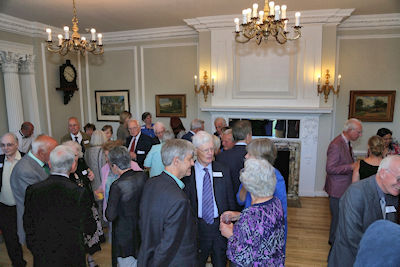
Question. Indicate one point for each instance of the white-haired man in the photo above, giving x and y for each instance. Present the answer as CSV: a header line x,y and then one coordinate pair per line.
x,y
363,203
138,144
159,130
209,188
195,126
57,213
339,168
75,134
31,169
8,210
219,124
167,223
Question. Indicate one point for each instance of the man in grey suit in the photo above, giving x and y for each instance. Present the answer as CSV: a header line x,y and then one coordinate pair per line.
x,y
363,203
339,168
31,169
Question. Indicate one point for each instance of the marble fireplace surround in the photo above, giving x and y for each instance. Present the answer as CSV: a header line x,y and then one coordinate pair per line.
x,y
303,150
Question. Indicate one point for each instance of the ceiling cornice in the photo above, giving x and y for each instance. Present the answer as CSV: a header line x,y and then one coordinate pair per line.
x,y
386,21
307,17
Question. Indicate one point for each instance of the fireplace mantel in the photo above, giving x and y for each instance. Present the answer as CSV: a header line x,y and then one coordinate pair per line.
x,y
289,110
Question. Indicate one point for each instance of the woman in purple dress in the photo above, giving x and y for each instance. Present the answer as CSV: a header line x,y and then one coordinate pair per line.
x,y
258,237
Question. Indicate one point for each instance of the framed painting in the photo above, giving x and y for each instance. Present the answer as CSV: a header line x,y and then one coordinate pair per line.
x,y
109,104
372,105
171,105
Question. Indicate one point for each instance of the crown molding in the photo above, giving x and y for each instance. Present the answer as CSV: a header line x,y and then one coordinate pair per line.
x,y
17,48
24,27
381,21
307,17
150,34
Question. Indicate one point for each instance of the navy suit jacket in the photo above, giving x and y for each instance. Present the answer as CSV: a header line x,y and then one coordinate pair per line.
x,y
234,159
143,144
222,186
188,136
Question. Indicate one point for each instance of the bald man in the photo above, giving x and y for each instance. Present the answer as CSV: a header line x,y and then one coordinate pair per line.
x,y
75,134
31,169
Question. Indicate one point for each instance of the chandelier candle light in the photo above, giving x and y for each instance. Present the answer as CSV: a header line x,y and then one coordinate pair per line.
x,y
75,42
272,21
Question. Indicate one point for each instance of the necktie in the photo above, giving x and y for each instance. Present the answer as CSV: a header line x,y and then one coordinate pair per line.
x,y
208,203
133,145
46,168
76,139
382,201
351,151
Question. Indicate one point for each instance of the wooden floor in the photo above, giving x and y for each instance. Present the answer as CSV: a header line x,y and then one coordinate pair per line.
x,y
307,243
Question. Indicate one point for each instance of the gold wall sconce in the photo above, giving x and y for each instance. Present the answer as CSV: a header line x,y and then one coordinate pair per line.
x,y
326,88
205,87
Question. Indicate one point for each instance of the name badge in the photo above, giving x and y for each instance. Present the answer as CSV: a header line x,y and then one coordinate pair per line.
x,y
1,165
86,142
140,152
218,174
390,209
84,172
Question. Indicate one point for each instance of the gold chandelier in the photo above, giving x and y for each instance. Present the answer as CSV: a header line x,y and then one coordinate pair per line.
x,y
75,42
272,21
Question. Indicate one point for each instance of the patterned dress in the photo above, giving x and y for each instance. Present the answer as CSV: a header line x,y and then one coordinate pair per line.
x,y
259,236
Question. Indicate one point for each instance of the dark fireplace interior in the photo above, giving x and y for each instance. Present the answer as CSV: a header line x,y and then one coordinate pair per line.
x,y
282,164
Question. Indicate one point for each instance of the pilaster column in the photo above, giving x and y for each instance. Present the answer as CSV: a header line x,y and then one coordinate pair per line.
x,y
9,66
29,92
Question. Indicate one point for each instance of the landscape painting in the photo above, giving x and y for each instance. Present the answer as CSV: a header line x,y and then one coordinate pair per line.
x,y
171,105
109,104
372,105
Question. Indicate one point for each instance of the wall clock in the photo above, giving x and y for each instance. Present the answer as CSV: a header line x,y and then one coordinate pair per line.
x,y
68,77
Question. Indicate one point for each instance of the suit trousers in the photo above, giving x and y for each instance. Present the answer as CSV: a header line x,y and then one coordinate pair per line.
x,y
334,207
8,226
211,242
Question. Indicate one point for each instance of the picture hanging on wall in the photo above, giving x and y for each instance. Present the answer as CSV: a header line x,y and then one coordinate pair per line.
x,y
109,104
372,105
171,105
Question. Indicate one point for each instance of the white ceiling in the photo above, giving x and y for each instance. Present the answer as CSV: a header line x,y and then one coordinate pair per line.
x,y
120,15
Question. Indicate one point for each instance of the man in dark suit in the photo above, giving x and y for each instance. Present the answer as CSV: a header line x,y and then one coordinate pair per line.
x,y
57,213
209,188
234,158
8,210
167,223
31,169
363,203
75,134
123,206
138,144
195,126
339,168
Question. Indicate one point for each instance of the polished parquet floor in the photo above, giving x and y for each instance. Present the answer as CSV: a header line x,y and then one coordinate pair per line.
x,y
307,244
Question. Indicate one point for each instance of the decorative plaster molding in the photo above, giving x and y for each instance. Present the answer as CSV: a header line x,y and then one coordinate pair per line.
x,y
307,17
309,134
149,34
16,47
9,61
381,21
295,110
27,64
24,27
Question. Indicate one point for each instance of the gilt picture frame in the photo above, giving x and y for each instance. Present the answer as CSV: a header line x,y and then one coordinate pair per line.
x,y
171,105
372,106
109,104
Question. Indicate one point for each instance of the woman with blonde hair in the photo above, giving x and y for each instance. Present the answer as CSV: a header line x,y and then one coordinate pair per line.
x,y
369,166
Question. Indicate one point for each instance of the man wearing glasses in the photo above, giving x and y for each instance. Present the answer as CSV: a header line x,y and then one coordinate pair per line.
x,y
374,198
339,168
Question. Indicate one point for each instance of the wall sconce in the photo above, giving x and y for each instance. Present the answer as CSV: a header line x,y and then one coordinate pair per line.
x,y
326,88
205,87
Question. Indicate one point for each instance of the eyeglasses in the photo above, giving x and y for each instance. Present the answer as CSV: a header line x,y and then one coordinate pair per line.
x,y
7,145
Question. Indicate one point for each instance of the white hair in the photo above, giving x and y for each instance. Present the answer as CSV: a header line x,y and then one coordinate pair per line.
x,y
200,138
351,124
175,148
98,138
12,135
196,124
387,162
74,145
158,125
168,135
258,177
220,119
61,159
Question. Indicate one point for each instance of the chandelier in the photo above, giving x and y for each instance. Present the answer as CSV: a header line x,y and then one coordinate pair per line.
x,y
272,21
75,42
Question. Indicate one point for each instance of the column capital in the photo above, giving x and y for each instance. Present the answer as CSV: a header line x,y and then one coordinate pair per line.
x,y
9,61
27,64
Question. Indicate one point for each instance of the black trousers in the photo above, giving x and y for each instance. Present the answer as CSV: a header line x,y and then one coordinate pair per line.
x,y
211,242
334,207
8,226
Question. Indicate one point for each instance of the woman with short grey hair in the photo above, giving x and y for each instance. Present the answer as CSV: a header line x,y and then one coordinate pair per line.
x,y
264,148
153,159
258,237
